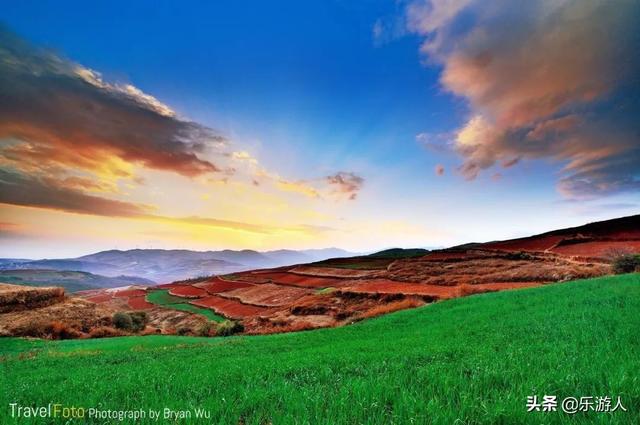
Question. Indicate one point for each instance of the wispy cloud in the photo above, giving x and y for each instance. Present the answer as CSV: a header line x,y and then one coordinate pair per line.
x,y
69,138
238,225
543,80
346,184
22,190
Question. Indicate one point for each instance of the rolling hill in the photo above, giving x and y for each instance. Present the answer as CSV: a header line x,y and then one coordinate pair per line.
x,y
471,360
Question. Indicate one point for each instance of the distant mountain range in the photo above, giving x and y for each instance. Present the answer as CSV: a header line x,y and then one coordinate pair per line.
x,y
71,281
161,266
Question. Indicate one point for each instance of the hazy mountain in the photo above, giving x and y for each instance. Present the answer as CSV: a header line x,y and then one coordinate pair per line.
x,y
287,256
162,266
70,280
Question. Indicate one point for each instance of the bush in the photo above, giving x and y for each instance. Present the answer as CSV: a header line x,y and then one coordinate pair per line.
x,y
122,320
50,330
229,327
206,330
61,330
183,330
139,320
104,332
626,263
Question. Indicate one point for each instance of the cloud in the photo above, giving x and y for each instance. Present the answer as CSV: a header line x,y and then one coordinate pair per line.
x,y
297,187
21,190
439,170
9,229
234,225
552,80
16,189
345,183
56,115
68,139
439,143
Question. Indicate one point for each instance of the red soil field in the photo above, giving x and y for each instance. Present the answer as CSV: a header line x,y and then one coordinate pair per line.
x,y
187,291
268,295
228,307
445,255
130,293
168,285
525,244
102,298
301,280
332,272
499,286
139,303
597,248
386,286
216,285
257,278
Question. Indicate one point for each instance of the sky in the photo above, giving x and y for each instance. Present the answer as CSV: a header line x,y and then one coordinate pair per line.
x,y
360,125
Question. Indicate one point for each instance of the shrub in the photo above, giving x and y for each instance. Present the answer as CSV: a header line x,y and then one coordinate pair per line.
x,y
61,330
122,320
183,330
229,327
391,307
628,263
206,330
104,332
139,320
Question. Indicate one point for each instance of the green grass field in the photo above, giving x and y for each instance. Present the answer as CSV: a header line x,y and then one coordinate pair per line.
x,y
163,298
472,360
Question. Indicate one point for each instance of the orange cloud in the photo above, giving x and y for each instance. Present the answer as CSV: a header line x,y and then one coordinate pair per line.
x,y
58,114
543,80
17,189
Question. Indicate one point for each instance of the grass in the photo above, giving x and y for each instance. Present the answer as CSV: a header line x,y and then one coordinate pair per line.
x,y
325,291
395,253
197,310
162,298
470,360
365,263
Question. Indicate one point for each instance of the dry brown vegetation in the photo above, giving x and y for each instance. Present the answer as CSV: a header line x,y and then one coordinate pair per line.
x,y
391,307
483,266
17,298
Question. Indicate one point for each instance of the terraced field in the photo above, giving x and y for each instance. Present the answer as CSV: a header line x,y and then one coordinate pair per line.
x,y
340,291
162,297
471,360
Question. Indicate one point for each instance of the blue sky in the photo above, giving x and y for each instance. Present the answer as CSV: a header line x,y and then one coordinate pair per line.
x,y
307,90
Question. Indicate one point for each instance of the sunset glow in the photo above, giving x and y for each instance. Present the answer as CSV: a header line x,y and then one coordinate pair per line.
x,y
362,128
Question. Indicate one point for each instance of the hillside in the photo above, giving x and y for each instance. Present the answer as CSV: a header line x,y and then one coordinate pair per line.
x,y
469,360
71,281
338,291
598,240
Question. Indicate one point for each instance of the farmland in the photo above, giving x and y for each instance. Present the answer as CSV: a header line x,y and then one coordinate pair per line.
x,y
472,360
338,292
163,298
